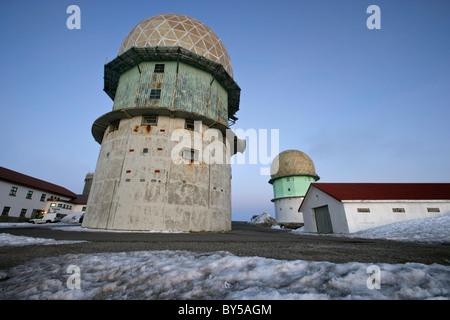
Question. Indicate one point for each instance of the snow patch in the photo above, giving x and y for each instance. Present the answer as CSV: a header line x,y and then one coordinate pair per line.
x,y
7,239
218,275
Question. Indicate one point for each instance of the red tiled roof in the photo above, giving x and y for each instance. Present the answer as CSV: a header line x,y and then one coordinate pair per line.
x,y
19,178
386,191
80,199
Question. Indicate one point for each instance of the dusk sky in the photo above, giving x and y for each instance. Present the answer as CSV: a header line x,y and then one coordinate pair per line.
x,y
367,105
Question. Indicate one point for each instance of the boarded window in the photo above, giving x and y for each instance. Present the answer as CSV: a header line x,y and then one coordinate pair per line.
x,y
114,126
159,68
190,154
149,121
189,124
155,94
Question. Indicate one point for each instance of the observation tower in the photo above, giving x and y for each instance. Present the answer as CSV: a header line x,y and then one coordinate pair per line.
x,y
291,173
164,162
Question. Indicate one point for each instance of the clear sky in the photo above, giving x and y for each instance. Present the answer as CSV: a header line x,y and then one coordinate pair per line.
x,y
365,105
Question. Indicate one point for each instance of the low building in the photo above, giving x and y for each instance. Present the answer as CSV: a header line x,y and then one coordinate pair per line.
x,y
23,197
351,207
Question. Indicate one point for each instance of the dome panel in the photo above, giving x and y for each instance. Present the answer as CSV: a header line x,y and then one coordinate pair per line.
x,y
292,162
174,30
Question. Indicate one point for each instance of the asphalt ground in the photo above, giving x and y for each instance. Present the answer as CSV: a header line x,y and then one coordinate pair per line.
x,y
243,240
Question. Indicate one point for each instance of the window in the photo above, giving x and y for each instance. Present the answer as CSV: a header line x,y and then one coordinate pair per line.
x,y
433,210
145,150
43,197
190,154
22,213
84,209
159,68
114,126
149,121
398,210
189,124
363,210
53,205
13,191
155,94
29,194
5,211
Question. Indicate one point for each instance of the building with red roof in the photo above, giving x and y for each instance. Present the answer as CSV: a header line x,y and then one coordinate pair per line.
x,y
23,197
351,207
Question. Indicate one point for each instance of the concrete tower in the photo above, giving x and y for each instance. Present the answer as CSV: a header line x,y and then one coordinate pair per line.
x,y
166,144
291,172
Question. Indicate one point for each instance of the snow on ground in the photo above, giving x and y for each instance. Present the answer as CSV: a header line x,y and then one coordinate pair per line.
x,y
217,275
7,239
221,275
427,230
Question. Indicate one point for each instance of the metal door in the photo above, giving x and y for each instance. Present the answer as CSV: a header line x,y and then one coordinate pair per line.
x,y
323,220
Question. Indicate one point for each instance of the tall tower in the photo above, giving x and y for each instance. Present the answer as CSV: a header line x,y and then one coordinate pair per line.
x,y
165,146
291,172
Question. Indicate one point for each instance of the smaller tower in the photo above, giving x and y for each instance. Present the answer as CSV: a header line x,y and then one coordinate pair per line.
x,y
291,173
88,183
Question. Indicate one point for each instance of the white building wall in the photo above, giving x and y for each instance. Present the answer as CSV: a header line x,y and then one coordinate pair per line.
x,y
381,212
286,210
19,201
316,198
345,217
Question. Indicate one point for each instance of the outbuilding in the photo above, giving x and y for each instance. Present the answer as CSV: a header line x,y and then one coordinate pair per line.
x,y
351,207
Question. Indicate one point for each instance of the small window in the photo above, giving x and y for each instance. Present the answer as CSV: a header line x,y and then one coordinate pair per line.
x,y
189,124
114,126
433,210
145,150
190,154
155,94
84,209
288,179
159,68
43,197
149,121
29,194
398,210
59,205
5,211
22,213
53,205
13,191
363,210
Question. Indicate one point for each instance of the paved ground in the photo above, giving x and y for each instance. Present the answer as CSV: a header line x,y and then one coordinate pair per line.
x,y
244,240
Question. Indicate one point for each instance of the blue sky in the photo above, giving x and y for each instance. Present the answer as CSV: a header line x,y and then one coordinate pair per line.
x,y
365,105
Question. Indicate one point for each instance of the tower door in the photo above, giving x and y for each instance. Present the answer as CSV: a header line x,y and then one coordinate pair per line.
x,y
323,220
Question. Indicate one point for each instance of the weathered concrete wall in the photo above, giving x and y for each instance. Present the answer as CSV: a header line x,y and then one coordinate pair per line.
x,y
142,181
182,87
